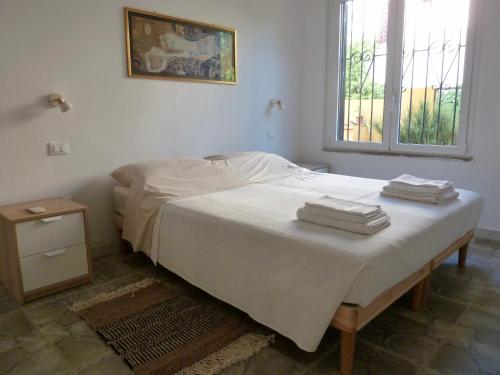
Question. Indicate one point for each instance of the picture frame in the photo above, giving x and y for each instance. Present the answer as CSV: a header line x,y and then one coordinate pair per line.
x,y
160,46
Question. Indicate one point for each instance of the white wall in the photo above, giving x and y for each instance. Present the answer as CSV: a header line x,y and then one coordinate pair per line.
x,y
482,174
76,48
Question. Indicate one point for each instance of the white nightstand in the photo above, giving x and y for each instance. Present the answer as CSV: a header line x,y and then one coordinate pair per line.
x,y
45,253
316,167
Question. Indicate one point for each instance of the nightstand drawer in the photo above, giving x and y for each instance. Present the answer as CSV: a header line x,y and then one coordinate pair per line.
x,y
51,233
53,267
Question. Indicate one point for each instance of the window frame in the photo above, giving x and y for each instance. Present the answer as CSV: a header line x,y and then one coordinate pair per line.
x,y
390,135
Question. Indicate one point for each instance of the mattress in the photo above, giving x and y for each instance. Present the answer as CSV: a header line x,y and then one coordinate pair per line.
x,y
246,247
120,195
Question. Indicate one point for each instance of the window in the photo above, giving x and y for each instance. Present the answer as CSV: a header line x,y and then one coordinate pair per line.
x,y
399,75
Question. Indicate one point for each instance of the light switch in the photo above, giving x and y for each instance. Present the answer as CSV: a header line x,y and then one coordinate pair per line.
x,y
58,148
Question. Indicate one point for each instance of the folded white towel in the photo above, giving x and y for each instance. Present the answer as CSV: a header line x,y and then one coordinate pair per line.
x,y
441,199
423,192
371,227
343,216
345,206
413,181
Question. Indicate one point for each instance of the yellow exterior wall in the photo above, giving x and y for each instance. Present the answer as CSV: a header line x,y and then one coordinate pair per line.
x,y
352,130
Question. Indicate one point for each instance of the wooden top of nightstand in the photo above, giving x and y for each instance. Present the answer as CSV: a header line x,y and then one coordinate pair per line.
x,y
17,213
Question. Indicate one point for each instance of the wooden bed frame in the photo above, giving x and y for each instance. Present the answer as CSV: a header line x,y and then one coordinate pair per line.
x,y
349,319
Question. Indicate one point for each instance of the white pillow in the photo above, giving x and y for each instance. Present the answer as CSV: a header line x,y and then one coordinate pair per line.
x,y
238,155
256,166
249,166
124,175
127,174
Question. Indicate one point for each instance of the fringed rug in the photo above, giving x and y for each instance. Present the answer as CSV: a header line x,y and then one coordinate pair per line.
x,y
157,332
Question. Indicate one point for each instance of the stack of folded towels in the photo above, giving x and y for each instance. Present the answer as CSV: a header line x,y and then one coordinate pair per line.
x,y
421,190
344,214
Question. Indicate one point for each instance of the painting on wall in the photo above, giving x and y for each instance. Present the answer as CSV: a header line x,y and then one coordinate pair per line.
x,y
160,46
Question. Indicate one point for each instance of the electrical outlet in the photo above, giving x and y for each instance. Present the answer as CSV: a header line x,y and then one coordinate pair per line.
x,y
271,134
58,148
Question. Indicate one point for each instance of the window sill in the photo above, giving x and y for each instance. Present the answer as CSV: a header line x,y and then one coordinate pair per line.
x,y
399,153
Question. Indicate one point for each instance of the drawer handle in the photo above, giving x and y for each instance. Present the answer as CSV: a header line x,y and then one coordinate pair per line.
x,y
55,253
52,219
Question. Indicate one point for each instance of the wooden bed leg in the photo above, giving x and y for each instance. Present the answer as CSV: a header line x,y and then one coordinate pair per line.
x,y
462,255
417,295
347,345
427,289
124,247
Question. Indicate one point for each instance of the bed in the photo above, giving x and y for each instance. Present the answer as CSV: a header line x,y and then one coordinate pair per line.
x,y
294,277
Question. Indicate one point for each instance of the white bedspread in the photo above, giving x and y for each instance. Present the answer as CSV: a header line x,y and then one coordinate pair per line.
x,y
246,247
156,182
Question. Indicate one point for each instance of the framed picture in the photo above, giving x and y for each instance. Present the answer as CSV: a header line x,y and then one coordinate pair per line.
x,y
165,47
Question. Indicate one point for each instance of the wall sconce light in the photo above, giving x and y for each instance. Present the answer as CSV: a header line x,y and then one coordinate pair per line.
x,y
56,100
278,104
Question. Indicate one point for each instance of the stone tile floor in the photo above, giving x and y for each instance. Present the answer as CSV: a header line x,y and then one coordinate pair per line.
x,y
458,332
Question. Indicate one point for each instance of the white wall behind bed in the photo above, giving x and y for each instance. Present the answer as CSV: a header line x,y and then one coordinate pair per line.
x,y
76,48
482,174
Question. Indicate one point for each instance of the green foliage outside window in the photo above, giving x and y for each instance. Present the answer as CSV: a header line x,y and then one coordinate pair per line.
x,y
424,121
433,125
430,124
358,75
